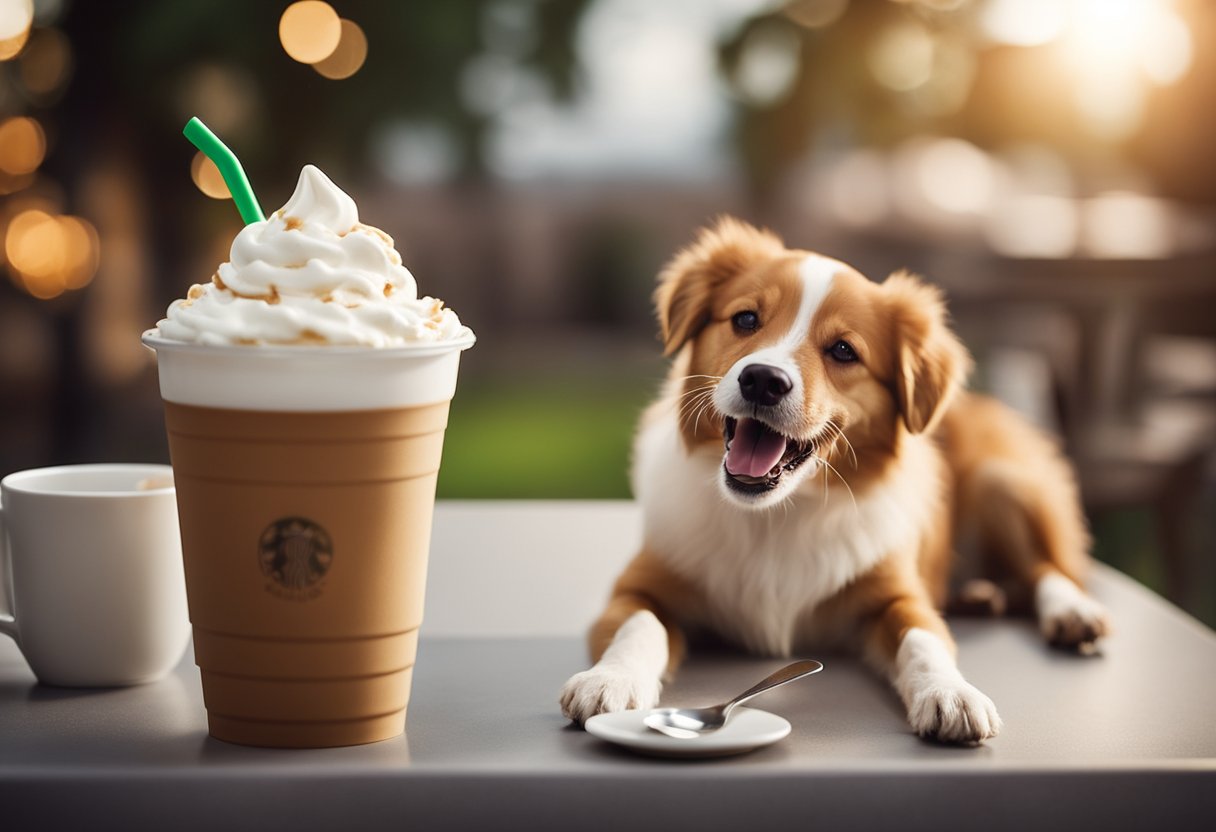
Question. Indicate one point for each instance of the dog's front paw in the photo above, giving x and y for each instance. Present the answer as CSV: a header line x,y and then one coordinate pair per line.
x,y
1068,617
605,690
1078,627
953,711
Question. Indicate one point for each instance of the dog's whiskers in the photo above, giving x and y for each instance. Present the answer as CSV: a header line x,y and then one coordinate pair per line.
x,y
845,440
707,386
687,407
698,392
696,402
834,434
706,405
826,485
694,405
691,398
837,434
829,467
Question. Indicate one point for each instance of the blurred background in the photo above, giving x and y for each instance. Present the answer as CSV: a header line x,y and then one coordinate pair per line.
x,y
1048,162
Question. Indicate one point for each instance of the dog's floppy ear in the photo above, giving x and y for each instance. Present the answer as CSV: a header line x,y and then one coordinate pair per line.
x,y
932,363
688,281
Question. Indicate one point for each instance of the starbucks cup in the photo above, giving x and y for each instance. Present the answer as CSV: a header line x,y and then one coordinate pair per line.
x,y
305,489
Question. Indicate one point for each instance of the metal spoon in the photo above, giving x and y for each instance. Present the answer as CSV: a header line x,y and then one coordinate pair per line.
x,y
687,723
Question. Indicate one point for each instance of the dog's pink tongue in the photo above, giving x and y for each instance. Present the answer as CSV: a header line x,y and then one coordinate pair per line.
x,y
754,450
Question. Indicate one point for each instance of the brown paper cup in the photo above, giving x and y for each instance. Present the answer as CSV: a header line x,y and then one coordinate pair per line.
x,y
305,537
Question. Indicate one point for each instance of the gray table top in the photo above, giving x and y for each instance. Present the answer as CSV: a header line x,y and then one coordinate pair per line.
x,y
1120,739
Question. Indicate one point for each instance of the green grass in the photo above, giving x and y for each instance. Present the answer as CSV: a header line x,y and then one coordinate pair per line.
x,y
1128,541
565,440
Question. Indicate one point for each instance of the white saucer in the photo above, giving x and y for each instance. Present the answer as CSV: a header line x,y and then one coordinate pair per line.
x,y
747,729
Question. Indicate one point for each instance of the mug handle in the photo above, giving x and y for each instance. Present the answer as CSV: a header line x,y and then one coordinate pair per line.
x,y
8,622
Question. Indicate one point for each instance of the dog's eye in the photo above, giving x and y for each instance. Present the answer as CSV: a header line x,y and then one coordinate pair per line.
x,y
746,321
843,352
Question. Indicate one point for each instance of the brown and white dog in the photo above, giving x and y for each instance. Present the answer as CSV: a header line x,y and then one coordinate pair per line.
x,y
804,474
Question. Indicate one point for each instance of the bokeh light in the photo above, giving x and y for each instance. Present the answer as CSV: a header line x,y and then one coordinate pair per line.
x,y
348,56
49,255
1112,103
1111,51
15,17
208,177
1024,22
11,47
32,245
858,188
82,251
1167,51
1123,224
1128,36
224,96
768,64
1033,225
901,58
46,63
1115,49
955,175
1037,168
22,146
490,83
815,14
310,31
12,184
949,83
415,153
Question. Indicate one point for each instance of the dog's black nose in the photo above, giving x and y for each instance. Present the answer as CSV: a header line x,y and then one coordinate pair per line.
x,y
764,384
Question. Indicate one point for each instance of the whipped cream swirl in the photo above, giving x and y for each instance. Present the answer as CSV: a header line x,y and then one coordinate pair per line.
x,y
311,274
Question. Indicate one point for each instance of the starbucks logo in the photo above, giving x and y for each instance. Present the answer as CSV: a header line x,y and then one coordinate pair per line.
x,y
295,553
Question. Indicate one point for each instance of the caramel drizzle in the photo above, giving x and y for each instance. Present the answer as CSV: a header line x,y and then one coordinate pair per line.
x,y
272,298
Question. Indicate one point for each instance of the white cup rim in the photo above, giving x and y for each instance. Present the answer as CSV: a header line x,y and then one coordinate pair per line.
x,y
153,340
17,481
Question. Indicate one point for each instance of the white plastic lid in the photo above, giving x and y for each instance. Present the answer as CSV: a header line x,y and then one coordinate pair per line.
x,y
306,378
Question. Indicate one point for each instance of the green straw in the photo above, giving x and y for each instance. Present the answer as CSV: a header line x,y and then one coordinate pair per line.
x,y
230,168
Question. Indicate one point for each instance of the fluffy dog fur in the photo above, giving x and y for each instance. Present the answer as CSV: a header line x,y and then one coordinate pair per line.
x,y
847,540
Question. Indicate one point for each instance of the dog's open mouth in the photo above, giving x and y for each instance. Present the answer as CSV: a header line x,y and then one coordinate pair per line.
x,y
757,455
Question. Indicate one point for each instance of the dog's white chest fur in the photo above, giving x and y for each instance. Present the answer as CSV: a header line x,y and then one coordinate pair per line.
x,y
764,571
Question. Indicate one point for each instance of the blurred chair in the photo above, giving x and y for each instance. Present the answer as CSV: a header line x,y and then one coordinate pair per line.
x,y
1027,355
1133,402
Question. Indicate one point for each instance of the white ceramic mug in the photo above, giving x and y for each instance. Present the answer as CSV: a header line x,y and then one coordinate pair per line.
x,y
91,559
